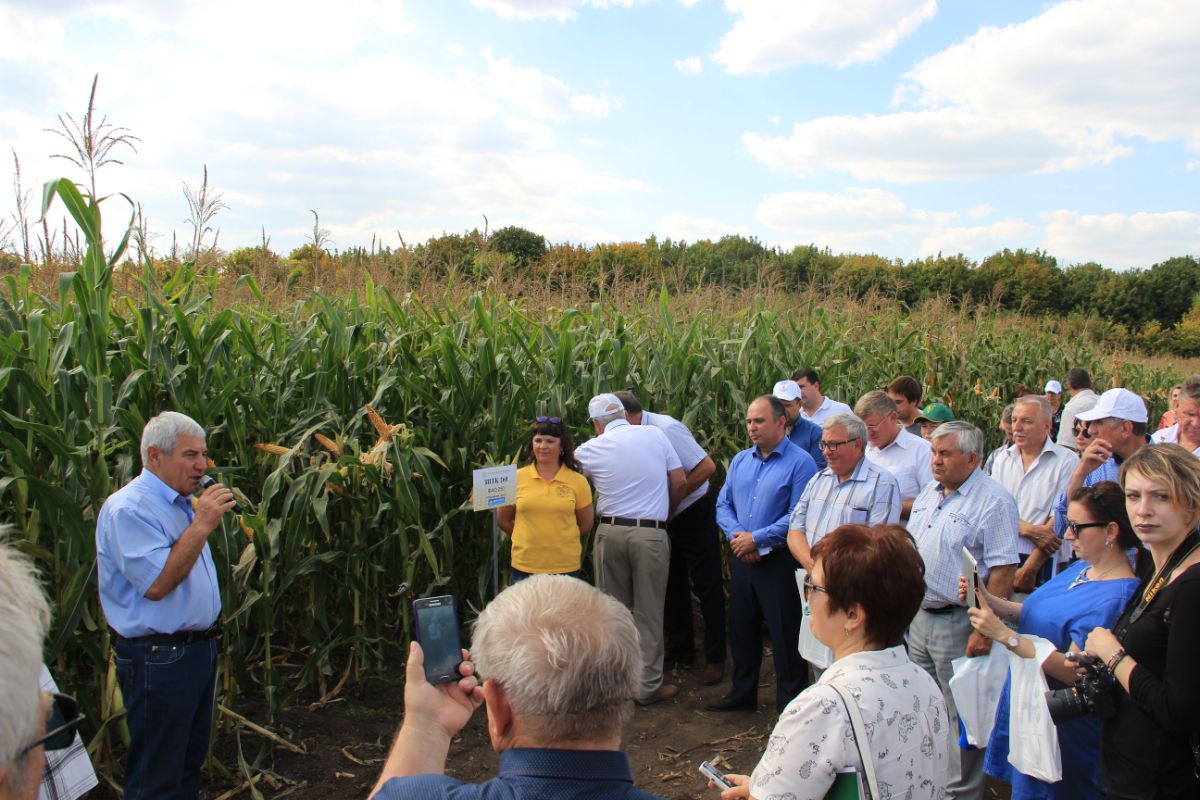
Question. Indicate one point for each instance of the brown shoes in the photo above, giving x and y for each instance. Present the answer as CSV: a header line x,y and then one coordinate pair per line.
x,y
664,692
712,674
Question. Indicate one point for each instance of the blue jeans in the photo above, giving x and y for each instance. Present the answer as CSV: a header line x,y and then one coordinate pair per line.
x,y
168,692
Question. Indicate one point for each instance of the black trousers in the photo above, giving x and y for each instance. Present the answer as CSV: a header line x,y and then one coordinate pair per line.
x,y
766,592
695,554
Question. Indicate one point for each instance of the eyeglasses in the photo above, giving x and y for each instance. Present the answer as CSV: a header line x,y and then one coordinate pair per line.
x,y
1076,527
810,587
551,420
824,445
62,718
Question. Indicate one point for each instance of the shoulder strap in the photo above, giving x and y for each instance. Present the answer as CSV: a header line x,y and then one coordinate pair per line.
x,y
860,737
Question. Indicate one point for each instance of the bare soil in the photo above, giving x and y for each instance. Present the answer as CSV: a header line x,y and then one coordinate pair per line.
x,y
347,740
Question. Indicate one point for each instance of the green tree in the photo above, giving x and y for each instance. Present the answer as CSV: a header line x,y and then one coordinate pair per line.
x,y
526,247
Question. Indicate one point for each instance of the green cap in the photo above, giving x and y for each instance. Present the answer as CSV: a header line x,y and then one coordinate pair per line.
x,y
936,412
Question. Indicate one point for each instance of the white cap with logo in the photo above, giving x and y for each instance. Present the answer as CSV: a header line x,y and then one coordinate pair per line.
x,y
1053,386
1118,403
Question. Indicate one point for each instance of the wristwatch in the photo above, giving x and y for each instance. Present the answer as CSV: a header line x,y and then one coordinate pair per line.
x,y
1012,642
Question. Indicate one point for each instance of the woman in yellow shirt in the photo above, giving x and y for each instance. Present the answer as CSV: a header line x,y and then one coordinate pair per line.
x,y
554,505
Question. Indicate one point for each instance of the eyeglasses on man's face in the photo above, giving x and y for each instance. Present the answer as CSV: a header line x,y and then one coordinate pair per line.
x,y
62,719
824,445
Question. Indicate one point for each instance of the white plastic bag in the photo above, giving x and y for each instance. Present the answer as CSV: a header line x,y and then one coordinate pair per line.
x,y
976,686
1032,737
810,649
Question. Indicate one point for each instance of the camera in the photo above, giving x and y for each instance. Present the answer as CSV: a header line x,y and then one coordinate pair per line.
x,y
1091,694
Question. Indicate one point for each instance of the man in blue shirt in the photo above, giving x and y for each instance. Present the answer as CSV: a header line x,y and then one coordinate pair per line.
x,y
561,664
763,485
804,434
158,589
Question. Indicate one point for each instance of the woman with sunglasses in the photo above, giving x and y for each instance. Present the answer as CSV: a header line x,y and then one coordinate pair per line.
x,y
866,585
1151,744
554,505
1089,593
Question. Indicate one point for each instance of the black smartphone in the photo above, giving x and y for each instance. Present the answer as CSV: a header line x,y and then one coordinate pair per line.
x,y
437,632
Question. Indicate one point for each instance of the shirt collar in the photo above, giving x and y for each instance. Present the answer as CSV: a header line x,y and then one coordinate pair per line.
x,y
155,485
616,423
607,765
865,659
967,486
784,444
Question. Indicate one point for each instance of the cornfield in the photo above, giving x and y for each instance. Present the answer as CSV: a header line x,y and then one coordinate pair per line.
x,y
351,424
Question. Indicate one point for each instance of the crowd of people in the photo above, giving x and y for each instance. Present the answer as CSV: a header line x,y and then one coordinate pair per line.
x,y
846,530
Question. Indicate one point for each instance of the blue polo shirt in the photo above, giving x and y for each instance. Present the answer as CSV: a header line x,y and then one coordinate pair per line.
x,y
760,493
807,436
135,531
532,774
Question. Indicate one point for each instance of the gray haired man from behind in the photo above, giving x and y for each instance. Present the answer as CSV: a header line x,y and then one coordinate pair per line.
x,y
560,665
24,618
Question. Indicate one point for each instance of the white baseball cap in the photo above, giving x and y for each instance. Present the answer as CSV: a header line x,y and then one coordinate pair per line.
x,y
1118,403
604,404
1053,386
787,390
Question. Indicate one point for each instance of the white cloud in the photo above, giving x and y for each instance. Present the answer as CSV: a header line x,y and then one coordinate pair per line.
x,y
1122,240
538,94
911,146
874,220
775,34
1071,88
455,49
561,10
682,227
689,66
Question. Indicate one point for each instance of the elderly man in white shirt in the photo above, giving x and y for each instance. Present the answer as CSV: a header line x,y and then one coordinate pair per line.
x,y
814,406
639,480
1185,432
1035,471
893,448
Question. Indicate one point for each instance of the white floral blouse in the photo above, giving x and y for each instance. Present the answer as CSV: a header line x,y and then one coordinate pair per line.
x,y
903,712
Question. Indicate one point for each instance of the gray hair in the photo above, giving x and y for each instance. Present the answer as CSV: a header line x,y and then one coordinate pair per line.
x,y
163,430
967,437
565,654
1006,414
24,618
1034,400
874,402
1191,388
607,418
855,427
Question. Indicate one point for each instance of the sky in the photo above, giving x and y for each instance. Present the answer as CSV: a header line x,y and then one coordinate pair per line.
x,y
904,128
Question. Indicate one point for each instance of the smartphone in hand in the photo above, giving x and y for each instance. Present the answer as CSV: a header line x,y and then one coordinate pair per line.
x,y
715,775
437,633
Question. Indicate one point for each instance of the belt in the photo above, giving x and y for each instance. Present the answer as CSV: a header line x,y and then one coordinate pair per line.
x,y
631,522
942,609
179,637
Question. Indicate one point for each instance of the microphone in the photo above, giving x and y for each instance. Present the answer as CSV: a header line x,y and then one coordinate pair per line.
x,y
207,481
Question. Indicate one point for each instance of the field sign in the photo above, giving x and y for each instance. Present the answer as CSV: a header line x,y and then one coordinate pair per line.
x,y
493,487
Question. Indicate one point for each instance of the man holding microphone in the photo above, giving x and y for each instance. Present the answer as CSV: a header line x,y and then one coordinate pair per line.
x,y
159,592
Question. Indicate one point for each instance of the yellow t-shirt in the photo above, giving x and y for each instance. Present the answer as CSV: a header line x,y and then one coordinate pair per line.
x,y
545,534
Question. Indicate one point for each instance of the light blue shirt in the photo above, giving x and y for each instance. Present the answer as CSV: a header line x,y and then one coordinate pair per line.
x,y
870,496
136,529
759,493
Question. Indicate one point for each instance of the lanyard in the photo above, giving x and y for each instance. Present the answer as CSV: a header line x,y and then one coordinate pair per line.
x,y
1185,549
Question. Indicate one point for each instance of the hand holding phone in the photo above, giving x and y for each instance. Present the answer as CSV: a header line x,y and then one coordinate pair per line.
x,y
437,633
715,775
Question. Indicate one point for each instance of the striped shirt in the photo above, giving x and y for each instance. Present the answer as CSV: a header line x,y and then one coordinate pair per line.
x,y
870,496
980,515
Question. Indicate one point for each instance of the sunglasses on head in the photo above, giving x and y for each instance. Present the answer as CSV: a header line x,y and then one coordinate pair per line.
x,y
62,719
551,420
